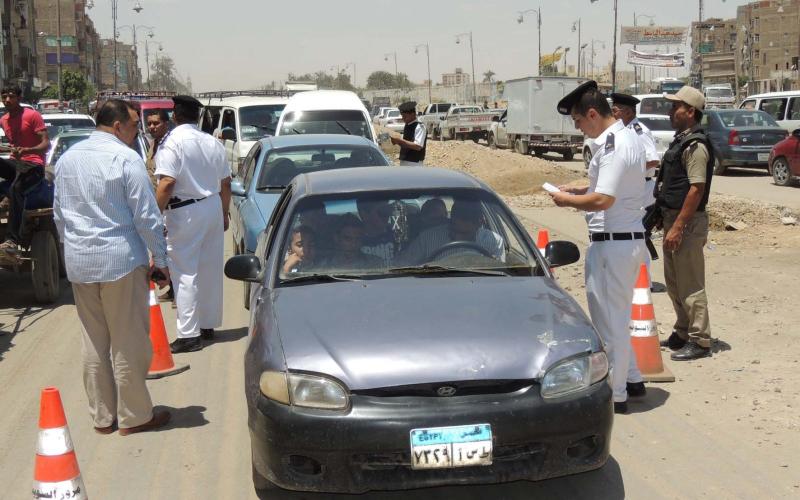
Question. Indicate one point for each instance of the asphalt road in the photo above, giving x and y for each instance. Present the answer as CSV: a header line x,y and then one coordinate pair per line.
x,y
658,451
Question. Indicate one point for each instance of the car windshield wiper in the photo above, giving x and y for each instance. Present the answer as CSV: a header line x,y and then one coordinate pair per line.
x,y
321,278
296,131
268,187
343,127
428,269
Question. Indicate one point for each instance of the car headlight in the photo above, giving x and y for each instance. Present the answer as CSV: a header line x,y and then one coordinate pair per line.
x,y
299,389
574,375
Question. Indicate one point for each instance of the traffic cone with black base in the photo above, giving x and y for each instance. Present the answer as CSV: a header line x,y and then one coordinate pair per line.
x,y
162,364
644,333
56,473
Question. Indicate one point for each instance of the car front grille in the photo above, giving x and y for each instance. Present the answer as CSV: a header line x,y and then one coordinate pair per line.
x,y
450,389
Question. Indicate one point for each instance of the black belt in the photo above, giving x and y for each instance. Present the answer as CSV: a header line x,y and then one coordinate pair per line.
x,y
615,236
178,203
648,179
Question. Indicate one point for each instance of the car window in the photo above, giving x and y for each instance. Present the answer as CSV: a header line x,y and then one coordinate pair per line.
x,y
443,108
775,107
743,118
57,125
751,104
703,121
282,165
64,143
250,165
655,106
393,114
794,109
211,119
382,235
662,125
228,119
334,121
259,121
270,234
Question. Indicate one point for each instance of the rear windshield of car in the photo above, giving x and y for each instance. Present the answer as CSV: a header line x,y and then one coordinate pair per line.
x,y
335,121
282,165
58,125
743,118
394,234
393,114
655,106
259,121
64,143
657,124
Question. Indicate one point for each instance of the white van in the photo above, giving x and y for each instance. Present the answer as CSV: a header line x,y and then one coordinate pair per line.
x,y
326,112
249,117
783,106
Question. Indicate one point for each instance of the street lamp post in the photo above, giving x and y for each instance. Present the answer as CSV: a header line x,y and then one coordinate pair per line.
x,y
602,44
428,54
472,56
578,24
386,58
614,56
553,58
137,8
635,69
150,34
521,18
58,40
566,49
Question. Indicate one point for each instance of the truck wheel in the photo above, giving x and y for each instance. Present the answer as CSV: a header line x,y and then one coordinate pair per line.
x,y
453,134
539,152
521,147
587,156
490,140
568,155
475,137
45,272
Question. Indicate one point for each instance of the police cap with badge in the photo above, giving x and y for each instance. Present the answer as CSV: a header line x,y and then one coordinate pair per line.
x,y
566,104
624,100
408,107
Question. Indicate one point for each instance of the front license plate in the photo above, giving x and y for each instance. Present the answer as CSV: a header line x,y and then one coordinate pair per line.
x,y
448,447
763,156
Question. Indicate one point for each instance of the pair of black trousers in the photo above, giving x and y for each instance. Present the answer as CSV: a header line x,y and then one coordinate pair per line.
x,y
23,176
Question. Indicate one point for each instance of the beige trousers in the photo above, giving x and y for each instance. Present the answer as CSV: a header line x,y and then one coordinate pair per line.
x,y
115,320
685,277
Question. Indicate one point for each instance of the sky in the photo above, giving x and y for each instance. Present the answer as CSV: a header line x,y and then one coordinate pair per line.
x,y
244,44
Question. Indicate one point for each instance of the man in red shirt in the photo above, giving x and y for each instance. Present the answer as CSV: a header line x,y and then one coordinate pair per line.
x,y
27,134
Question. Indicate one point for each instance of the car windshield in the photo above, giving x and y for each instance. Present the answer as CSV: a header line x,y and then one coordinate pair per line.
x,y
393,114
743,118
389,234
672,87
259,121
334,121
655,106
64,143
657,124
719,93
282,165
57,125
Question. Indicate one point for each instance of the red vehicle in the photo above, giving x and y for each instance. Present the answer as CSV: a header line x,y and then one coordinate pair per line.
x,y
784,160
147,100
150,106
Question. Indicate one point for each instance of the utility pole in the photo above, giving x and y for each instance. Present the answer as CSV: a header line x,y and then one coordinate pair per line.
x,y
58,39
614,58
428,54
472,55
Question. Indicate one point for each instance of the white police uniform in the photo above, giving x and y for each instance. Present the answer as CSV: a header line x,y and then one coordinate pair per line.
x,y
195,229
617,169
651,154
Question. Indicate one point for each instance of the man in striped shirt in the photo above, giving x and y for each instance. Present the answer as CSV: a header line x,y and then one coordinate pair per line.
x,y
108,219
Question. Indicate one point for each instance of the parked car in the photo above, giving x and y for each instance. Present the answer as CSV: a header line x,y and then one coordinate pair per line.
x,y
741,138
466,122
380,114
388,115
784,160
659,125
459,361
271,165
61,122
326,112
433,114
393,121
784,107
65,140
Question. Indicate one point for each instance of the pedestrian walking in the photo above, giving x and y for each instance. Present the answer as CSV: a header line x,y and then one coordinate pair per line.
x,y
682,190
194,191
413,141
613,205
27,135
108,219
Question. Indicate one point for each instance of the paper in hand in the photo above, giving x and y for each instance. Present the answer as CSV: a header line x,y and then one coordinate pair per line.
x,y
550,188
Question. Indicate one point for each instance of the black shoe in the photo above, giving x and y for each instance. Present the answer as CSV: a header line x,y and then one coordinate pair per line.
x,y
674,342
186,345
621,407
690,351
207,333
636,389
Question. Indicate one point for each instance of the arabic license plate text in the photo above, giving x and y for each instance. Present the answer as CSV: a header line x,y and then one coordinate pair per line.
x,y
763,156
448,447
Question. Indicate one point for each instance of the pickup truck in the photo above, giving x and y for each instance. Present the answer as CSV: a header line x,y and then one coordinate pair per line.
x,y
462,122
432,115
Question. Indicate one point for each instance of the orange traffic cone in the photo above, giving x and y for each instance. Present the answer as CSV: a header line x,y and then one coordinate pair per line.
x,y
542,239
644,333
56,474
162,364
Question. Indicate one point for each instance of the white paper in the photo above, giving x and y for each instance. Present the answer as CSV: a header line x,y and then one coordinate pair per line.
x,y
550,188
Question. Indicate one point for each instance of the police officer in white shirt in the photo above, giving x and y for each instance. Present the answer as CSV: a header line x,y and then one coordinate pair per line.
x,y
194,192
624,108
413,141
613,205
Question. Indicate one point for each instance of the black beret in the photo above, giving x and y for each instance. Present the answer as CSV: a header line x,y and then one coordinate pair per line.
x,y
187,100
408,107
624,99
565,105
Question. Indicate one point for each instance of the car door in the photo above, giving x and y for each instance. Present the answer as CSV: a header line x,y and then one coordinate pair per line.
x,y
246,210
792,120
228,120
794,155
775,107
502,131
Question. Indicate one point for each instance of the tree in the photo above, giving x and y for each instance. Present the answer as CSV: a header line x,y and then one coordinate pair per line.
x,y
74,87
488,76
164,77
380,80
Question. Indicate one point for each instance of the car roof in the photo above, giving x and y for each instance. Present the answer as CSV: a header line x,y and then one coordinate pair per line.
x,y
325,99
644,96
49,116
288,141
371,179
241,101
786,93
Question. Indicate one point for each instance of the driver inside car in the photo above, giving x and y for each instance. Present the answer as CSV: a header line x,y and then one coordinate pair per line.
x,y
464,227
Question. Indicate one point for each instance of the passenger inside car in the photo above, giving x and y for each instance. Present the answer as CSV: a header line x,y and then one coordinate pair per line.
x,y
347,242
433,213
379,238
300,256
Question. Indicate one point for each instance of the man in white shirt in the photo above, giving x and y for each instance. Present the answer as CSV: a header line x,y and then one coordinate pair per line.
x,y
194,191
413,142
613,205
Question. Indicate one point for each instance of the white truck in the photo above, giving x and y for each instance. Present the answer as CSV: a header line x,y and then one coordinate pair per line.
x,y
432,115
719,96
532,123
466,122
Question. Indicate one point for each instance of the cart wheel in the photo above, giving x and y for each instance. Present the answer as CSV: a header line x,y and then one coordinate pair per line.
x,y
45,267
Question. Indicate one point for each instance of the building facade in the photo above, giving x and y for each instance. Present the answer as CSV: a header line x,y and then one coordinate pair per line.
x,y
456,78
713,52
129,76
18,62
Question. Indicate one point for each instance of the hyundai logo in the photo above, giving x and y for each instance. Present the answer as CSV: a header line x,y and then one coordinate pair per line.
x,y
446,391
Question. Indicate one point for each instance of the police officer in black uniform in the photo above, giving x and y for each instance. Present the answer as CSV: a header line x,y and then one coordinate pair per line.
x,y
413,142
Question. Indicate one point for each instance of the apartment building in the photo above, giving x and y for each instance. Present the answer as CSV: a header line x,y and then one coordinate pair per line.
x,y
18,44
713,52
456,78
129,76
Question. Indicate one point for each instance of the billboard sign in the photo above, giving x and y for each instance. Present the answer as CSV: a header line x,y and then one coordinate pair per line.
x,y
654,35
672,60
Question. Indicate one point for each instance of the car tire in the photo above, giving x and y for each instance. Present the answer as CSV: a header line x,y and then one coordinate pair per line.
x,y
781,173
568,155
719,168
45,270
475,137
453,135
490,140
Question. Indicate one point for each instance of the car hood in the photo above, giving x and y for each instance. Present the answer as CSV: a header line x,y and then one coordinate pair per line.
x,y
402,331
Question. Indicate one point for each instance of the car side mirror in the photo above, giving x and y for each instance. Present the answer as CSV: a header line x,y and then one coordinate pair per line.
x,y
561,253
796,132
237,189
228,134
243,268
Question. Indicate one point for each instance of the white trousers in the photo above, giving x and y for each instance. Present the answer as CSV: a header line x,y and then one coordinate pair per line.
x,y
611,270
405,163
195,247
